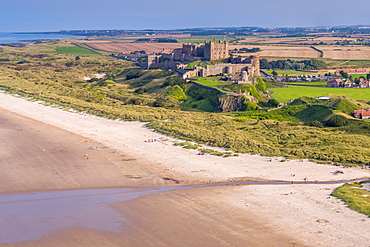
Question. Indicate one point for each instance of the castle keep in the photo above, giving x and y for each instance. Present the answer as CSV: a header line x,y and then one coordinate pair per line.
x,y
214,50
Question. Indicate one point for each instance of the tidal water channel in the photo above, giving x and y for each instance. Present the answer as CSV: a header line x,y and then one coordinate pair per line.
x,y
30,216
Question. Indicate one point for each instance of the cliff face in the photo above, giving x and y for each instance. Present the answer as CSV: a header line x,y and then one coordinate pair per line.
x,y
231,103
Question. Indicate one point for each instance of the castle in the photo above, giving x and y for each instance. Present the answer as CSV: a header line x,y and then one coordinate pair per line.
x,y
239,69
210,50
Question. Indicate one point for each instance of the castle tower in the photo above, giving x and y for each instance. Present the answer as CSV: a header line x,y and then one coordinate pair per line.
x,y
255,60
214,50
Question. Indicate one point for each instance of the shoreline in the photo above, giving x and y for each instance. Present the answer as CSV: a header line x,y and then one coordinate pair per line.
x,y
118,156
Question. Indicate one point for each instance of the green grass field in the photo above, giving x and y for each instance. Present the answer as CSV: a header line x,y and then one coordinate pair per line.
x,y
202,40
365,63
316,83
211,83
293,92
289,72
358,76
77,51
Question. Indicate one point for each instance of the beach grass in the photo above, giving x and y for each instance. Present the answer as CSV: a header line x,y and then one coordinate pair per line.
x,y
355,197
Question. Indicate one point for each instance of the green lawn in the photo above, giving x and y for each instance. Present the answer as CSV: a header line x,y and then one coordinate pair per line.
x,y
357,75
210,82
191,65
316,83
289,72
358,62
73,50
293,92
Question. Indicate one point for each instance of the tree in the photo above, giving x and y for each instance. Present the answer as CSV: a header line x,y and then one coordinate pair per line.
x,y
273,102
274,74
344,74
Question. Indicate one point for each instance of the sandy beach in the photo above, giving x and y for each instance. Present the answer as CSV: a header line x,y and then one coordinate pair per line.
x,y
48,149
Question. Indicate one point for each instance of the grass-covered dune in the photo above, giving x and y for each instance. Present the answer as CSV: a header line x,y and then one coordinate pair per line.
x,y
129,94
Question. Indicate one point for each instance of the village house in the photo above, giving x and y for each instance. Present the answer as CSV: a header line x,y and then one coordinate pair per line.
x,y
335,83
362,113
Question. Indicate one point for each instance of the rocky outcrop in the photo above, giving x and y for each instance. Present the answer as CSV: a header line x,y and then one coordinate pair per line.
x,y
229,103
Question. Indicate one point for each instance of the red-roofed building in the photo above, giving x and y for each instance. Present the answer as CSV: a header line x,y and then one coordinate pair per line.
x,y
362,113
351,71
335,83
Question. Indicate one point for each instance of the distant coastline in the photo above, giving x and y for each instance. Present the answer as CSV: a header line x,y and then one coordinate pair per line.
x,y
31,37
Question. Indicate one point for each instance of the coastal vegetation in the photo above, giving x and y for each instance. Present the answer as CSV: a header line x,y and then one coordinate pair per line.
x,y
290,64
354,196
178,108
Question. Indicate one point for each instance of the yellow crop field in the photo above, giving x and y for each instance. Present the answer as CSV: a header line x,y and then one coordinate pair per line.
x,y
281,51
346,52
114,46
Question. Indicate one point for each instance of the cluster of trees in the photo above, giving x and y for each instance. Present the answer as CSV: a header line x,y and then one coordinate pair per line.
x,y
167,40
356,80
289,64
159,40
253,50
138,52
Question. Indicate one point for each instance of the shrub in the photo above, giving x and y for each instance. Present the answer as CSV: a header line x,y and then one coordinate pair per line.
x,y
273,102
159,103
337,121
140,90
316,123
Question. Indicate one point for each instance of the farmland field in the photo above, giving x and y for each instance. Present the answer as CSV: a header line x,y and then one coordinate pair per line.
x,y
72,50
125,47
296,40
346,52
362,63
315,83
280,51
201,40
290,72
293,92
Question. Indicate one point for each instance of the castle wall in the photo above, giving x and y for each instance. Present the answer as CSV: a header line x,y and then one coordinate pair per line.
x,y
223,68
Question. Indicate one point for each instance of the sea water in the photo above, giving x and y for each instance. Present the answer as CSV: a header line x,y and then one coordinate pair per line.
x,y
27,37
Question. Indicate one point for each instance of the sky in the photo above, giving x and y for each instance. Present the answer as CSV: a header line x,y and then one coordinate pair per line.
x,y
55,15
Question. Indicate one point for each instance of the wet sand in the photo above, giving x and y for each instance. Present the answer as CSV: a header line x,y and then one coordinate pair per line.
x,y
74,152
44,201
